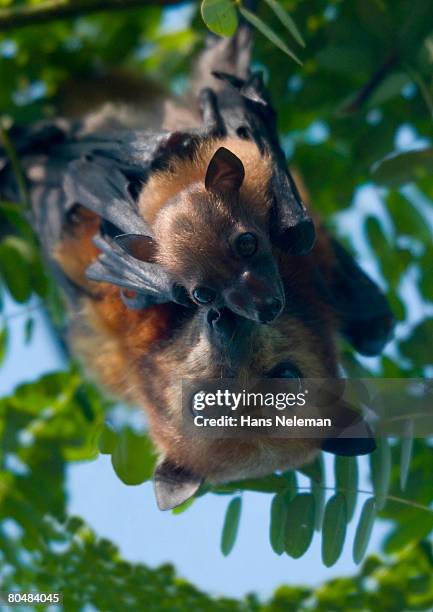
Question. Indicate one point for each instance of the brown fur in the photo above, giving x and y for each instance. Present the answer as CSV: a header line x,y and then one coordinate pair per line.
x,y
183,173
142,356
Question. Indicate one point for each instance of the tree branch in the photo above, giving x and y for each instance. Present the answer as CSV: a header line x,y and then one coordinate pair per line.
x,y
367,91
20,16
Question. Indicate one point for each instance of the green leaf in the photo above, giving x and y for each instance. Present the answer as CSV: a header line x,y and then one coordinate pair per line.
x,y
14,270
318,481
406,218
277,529
107,440
418,346
292,482
270,34
364,529
401,168
299,524
319,494
380,466
406,452
376,235
286,20
346,480
425,264
82,397
220,16
4,335
408,532
231,525
334,529
390,87
186,504
133,457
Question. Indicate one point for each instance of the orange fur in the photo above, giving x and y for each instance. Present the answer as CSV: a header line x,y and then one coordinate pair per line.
x,y
182,173
76,250
142,356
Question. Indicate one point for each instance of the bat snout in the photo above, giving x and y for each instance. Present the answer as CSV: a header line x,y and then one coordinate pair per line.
x,y
268,309
257,297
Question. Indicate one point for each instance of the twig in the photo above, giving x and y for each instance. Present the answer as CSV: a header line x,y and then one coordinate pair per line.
x,y
367,91
44,12
400,500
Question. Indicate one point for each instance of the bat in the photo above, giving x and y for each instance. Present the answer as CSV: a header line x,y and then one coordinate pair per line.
x,y
190,253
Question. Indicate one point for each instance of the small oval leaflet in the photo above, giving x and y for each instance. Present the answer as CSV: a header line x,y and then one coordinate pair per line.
x,y
107,440
406,453
300,524
4,335
346,477
364,529
334,529
132,458
319,494
231,525
220,16
279,507
380,467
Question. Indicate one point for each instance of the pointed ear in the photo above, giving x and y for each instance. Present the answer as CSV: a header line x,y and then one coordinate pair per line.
x,y
137,245
356,436
174,484
225,172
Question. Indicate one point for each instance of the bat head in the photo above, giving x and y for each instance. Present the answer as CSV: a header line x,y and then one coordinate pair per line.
x,y
216,245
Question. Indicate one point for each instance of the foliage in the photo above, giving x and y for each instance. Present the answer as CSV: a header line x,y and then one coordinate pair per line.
x,y
356,119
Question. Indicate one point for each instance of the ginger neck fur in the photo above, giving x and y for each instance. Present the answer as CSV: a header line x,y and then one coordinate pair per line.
x,y
182,173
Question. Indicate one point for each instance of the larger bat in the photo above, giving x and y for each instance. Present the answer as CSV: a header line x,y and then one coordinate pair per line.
x,y
189,253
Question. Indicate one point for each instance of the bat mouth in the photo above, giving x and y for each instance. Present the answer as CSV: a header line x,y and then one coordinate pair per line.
x,y
227,331
224,322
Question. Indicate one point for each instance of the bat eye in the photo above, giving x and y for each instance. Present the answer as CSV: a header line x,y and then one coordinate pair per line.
x,y
285,369
246,244
204,295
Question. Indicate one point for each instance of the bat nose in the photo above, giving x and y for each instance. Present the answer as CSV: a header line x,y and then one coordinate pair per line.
x,y
268,309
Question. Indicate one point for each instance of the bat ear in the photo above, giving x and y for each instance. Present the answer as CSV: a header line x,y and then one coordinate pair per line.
x,y
137,245
356,436
174,484
225,172
366,319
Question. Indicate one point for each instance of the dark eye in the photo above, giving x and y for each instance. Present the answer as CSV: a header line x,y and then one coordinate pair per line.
x,y
246,244
285,369
203,295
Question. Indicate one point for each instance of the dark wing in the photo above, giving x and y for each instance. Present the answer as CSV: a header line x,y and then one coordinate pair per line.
x,y
150,284
102,172
243,110
100,186
366,319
